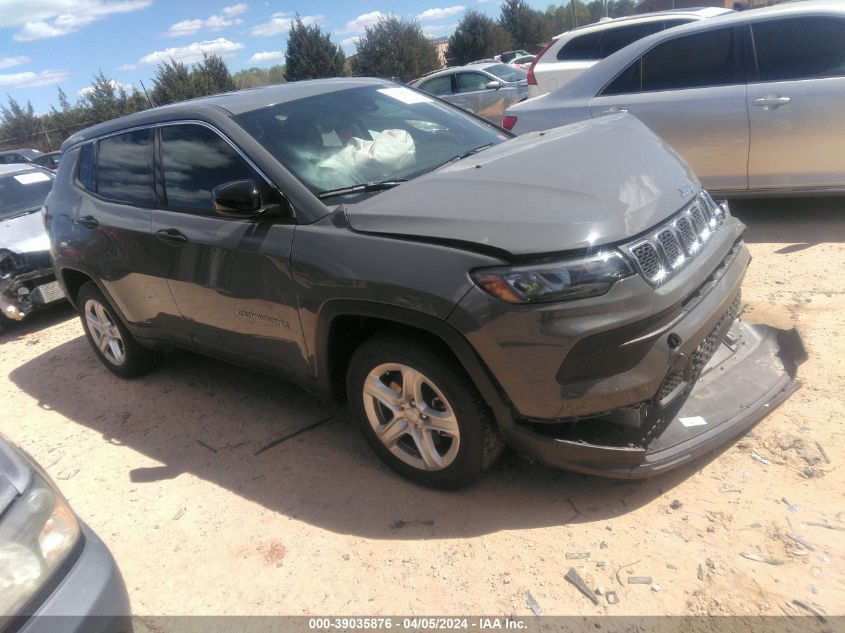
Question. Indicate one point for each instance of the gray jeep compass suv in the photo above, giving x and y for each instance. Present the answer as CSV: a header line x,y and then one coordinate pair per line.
x,y
374,243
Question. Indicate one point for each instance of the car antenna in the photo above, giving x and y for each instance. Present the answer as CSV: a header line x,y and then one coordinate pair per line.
x,y
149,98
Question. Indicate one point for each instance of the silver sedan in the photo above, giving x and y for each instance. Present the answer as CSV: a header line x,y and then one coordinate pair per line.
x,y
485,89
754,101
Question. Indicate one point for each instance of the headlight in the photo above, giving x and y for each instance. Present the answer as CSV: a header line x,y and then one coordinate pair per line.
x,y
555,281
37,533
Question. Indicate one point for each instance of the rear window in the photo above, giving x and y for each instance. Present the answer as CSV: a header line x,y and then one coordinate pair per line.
x,y
505,72
693,61
580,47
618,38
438,86
124,168
85,172
800,48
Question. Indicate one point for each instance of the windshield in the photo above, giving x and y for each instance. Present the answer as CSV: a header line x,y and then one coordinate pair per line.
x,y
365,135
23,191
505,72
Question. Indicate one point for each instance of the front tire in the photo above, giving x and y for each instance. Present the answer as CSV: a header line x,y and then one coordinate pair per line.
x,y
108,336
420,412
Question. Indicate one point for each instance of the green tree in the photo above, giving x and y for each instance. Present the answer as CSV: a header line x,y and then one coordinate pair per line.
x,y
310,54
211,76
19,125
477,36
172,83
395,47
527,27
106,99
255,77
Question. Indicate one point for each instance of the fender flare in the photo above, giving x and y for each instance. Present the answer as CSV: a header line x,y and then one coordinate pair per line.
x,y
451,337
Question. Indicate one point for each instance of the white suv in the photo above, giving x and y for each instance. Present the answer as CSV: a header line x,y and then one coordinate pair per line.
x,y
574,51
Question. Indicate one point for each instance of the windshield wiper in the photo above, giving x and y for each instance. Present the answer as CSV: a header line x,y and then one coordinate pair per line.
x,y
20,214
364,187
455,159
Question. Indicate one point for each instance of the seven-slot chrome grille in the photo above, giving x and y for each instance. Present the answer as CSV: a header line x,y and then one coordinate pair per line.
x,y
673,244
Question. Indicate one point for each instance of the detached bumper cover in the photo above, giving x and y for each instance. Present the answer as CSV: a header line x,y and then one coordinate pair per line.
x,y
751,373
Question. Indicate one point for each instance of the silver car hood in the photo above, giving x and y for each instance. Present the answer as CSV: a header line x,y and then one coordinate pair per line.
x,y
24,234
577,186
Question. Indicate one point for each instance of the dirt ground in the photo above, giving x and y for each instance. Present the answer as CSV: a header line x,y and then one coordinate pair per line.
x,y
165,470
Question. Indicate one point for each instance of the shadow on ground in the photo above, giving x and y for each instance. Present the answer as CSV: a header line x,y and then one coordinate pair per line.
x,y
209,418
798,222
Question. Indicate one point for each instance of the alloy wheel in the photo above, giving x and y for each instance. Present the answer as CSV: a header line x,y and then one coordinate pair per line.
x,y
104,332
411,416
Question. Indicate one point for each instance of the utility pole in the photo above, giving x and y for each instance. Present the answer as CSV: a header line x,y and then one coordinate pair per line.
x,y
574,16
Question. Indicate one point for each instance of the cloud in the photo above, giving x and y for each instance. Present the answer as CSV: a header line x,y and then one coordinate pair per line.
x,y
32,79
434,30
51,18
128,67
212,23
235,9
281,23
359,24
267,56
115,84
192,52
8,62
350,41
439,14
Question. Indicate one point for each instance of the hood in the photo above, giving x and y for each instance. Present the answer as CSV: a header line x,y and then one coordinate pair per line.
x,y
24,234
578,186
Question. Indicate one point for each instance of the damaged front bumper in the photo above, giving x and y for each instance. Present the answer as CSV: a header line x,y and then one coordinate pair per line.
x,y
749,374
24,292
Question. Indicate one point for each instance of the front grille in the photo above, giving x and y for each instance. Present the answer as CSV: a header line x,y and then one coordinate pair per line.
x,y
701,356
648,259
47,293
671,245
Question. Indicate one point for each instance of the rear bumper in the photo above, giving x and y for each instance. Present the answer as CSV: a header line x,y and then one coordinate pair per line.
x,y
751,374
90,598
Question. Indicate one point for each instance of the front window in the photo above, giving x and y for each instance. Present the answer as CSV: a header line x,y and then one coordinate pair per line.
x,y
23,192
506,72
365,135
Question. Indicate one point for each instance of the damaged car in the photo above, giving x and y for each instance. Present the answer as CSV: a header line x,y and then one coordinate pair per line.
x,y
27,282
376,244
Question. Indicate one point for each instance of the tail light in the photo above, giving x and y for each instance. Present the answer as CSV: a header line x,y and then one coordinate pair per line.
x,y
532,80
508,122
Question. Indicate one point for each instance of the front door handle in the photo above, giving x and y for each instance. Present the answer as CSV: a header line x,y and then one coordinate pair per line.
x,y
88,221
771,102
614,110
171,236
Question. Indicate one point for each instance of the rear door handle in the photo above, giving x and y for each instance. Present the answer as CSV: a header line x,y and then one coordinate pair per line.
x,y
771,102
89,222
171,236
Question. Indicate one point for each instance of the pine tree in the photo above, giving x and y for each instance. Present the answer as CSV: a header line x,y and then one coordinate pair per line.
x,y
395,48
310,54
172,83
527,27
477,37
211,76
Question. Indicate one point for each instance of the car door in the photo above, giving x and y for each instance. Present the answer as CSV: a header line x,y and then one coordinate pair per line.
x,y
796,103
110,223
691,91
472,93
230,276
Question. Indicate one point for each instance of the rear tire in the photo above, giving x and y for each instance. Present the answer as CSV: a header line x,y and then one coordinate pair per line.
x,y
420,412
108,336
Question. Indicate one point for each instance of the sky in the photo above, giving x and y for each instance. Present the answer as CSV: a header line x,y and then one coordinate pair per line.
x,y
49,43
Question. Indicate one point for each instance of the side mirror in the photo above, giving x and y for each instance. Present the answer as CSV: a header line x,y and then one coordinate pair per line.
x,y
238,198
493,85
